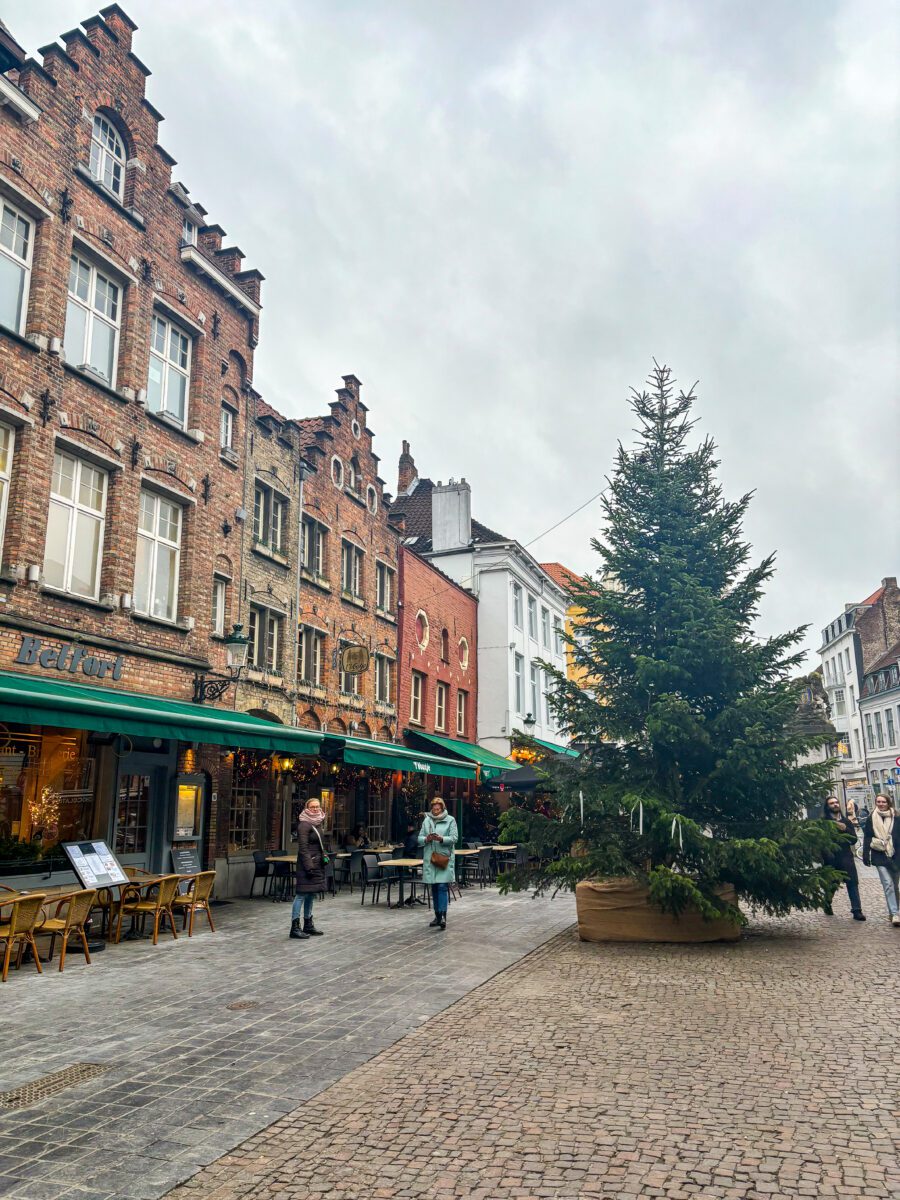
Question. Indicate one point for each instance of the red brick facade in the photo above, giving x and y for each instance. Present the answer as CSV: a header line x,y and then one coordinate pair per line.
x,y
442,650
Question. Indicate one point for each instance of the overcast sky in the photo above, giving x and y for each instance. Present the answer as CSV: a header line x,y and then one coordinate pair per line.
x,y
495,212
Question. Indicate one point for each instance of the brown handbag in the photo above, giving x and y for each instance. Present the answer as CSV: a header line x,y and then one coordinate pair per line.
x,y
439,859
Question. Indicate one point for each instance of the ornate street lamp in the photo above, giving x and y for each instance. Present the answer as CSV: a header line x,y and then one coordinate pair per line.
x,y
214,687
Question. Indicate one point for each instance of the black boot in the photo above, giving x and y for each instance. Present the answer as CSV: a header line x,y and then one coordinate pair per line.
x,y
309,929
442,921
436,923
859,915
296,931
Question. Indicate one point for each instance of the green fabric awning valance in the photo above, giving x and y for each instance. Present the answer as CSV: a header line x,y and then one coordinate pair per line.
x,y
385,756
491,764
565,750
30,700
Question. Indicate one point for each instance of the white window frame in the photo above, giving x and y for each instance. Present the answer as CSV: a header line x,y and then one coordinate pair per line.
x,y
532,617
8,433
268,518
156,540
416,697
22,264
517,605
312,547
463,653
889,730
548,715
441,694
93,315
870,733
347,681
312,647
74,507
352,558
188,232
879,729
545,627
426,626
462,698
534,687
226,427
219,598
108,155
264,629
519,682
557,635
168,364
384,588
382,679
840,705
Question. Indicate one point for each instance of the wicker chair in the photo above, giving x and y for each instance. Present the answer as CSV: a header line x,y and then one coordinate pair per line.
x,y
78,908
139,900
196,898
19,930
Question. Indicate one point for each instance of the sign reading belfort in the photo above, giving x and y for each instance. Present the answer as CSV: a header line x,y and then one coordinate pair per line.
x,y
68,658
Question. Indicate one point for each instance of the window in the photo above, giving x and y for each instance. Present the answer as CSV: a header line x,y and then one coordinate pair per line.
x,y
312,656
218,606
158,557
548,685
351,570
440,706
337,472
463,650
371,499
75,523
107,156
226,428
422,631
349,684
858,743
445,646
268,518
533,683
312,548
852,699
545,627
889,723
517,605
16,239
416,696
353,476
92,319
879,731
870,736
847,660
382,679
243,817
188,232
131,814
557,636
840,705
519,668
532,617
265,639
170,370
384,587
7,444
462,703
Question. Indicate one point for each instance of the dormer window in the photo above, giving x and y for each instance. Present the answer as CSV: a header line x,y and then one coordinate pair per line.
x,y
107,156
188,233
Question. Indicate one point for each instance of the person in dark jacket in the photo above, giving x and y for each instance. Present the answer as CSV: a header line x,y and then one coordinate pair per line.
x,y
842,860
310,876
881,849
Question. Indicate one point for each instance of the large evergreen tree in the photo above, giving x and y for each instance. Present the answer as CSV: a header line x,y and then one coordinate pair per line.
x,y
690,777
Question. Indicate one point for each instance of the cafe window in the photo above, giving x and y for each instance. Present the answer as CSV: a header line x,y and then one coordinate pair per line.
x,y
416,697
312,656
158,557
7,444
243,819
264,633
131,814
384,583
382,679
75,524
440,706
462,704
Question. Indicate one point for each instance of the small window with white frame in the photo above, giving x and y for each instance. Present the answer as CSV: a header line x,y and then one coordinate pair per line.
x,y
416,697
384,588
107,156
16,242
312,656
440,706
264,632
219,594
188,232
382,679
226,427
517,605
351,570
75,525
158,557
347,681
7,446
312,548
545,627
169,376
93,317
532,617
557,636
268,518
519,682
462,704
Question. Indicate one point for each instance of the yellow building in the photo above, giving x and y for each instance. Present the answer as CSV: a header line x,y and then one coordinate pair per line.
x,y
574,616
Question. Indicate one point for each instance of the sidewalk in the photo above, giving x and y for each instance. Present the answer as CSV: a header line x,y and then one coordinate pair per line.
x,y
209,1040
730,1072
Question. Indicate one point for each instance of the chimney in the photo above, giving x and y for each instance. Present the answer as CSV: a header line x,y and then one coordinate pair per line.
x,y
451,516
407,474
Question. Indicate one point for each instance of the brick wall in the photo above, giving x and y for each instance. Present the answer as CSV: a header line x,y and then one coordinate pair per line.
x,y
879,625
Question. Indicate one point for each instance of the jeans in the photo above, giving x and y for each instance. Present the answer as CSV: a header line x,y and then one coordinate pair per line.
x,y
890,879
440,893
305,903
853,893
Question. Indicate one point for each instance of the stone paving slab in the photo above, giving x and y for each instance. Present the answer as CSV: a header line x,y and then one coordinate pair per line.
x,y
190,1078
721,1072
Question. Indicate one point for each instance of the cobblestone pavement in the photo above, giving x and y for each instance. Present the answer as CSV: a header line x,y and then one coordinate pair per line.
x,y
191,1077
740,1072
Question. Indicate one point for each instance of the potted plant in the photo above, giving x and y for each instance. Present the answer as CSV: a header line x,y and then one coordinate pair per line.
x,y
688,796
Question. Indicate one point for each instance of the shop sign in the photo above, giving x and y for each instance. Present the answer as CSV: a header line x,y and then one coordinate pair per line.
x,y
420,766
354,659
68,657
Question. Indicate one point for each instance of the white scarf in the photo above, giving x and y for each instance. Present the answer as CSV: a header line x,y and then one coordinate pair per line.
x,y
883,829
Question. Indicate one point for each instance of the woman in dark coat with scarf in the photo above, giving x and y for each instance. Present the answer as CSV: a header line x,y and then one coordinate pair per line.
x,y
310,877
843,860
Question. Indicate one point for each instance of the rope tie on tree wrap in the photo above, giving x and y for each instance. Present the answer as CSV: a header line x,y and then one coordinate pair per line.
x,y
640,807
676,823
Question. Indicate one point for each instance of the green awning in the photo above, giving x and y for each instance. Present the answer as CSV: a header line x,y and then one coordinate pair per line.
x,y
31,700
385,756
566,750
491,764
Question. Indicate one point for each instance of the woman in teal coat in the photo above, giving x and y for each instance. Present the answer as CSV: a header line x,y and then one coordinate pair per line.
x,y
438,836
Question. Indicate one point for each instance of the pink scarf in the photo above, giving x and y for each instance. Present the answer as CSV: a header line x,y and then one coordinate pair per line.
x,y
314,819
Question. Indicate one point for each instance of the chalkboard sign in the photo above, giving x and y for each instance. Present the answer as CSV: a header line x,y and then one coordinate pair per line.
x,y
185,860
94,864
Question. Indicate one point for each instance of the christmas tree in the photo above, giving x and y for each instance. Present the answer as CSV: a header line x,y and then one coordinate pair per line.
x,y
690,776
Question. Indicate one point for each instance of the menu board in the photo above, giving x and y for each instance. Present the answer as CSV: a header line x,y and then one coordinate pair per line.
x,y
94,864
185,860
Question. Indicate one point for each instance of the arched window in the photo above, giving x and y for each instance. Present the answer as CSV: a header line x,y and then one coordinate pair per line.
x,y
107,156
445,646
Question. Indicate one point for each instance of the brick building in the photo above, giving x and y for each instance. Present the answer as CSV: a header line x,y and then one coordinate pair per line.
x,y
127,331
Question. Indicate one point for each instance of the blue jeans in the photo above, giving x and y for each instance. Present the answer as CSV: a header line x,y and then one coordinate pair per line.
x,y
440,894
889,882
305,903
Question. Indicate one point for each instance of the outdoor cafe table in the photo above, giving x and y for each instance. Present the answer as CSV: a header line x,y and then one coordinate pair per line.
x,y
402,864
504,849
